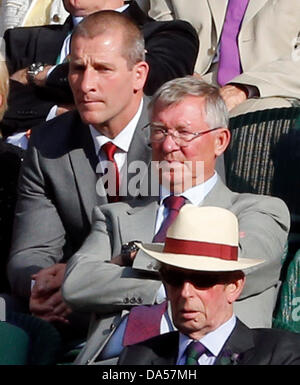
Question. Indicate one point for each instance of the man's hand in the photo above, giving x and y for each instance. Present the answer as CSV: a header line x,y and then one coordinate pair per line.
x,y
46,301
233,95
119,260
39,80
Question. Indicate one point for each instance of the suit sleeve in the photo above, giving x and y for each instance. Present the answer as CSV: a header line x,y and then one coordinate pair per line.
x,y
171,52
264,225
93,284
38,235
161,10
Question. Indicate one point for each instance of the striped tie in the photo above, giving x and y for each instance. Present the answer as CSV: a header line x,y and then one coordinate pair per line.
x,y
193,352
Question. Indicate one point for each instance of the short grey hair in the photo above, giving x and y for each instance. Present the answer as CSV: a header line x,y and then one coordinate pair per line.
x,y
174,91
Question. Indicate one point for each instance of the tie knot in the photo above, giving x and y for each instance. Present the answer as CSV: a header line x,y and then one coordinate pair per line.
x,y
109,148
193,352
174,202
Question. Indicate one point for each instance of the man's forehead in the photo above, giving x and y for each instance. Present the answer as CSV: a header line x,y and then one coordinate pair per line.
x,y
182,113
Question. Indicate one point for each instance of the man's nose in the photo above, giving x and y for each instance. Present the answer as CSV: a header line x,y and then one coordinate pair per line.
x,y
88,81
187,289
169,144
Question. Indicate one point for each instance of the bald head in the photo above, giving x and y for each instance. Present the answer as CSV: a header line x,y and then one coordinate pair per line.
x,y
106,22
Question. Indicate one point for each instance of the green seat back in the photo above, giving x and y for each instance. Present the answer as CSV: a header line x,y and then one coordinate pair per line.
x,y
14,345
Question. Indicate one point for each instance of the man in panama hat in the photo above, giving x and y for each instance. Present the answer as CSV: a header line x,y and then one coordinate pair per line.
x,y
203,276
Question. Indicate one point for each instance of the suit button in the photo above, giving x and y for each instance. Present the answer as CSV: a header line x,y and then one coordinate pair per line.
x,y
212,50
139,300
126,300
112,327
132,300
56,18
150,266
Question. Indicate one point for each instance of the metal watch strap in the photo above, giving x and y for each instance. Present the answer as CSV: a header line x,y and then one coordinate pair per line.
x,y
34,69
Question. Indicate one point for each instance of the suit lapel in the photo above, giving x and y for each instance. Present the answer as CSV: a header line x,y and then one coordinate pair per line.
x,y
252,9
239,348
145,214
168,350
139,151
218,11
84,160
135,12
50,41
219,195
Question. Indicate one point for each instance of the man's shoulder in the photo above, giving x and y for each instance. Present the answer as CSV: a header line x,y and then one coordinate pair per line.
x,y
32,31
60,132
279,339
150,25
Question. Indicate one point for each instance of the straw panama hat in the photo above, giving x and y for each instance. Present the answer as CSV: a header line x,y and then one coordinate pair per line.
x,y
203,239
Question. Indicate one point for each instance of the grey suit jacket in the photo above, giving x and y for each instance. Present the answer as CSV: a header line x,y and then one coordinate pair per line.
x,y
94,285
244,347
57,193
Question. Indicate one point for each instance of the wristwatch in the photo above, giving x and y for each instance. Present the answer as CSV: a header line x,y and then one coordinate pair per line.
x,y
126,251
34,69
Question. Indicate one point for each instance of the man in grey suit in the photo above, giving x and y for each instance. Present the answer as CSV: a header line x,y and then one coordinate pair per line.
x,y
57,190
188,126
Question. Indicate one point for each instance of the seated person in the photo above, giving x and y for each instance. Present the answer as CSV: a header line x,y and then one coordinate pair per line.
x,y
189,133
249,48
57,188
25,13
203,276
38,64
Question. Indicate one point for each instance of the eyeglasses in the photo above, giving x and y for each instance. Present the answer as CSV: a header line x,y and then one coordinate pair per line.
x,y
182,137
177,278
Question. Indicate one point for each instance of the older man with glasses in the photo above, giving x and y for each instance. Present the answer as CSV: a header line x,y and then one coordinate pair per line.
x,y
188,134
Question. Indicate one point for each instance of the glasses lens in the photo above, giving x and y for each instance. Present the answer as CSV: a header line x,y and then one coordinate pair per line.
x,y
177,278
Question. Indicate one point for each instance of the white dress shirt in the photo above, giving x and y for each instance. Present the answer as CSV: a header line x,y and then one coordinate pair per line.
x,y
213,341
122,141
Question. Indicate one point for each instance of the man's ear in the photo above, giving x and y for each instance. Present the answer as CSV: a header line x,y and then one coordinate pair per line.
x,y
222,138
141,70
234,289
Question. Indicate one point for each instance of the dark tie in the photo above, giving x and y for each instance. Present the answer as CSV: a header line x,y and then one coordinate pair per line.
x,y
173,204
193,352
109,148
229,62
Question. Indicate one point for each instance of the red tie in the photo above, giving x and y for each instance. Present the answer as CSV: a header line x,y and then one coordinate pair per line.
x,y
173,204
109,148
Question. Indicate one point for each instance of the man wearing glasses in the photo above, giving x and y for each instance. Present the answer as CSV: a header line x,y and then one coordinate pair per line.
x,y
188,133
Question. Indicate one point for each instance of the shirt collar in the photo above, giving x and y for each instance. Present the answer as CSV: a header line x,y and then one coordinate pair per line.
x,y
123,139
194,195
213,341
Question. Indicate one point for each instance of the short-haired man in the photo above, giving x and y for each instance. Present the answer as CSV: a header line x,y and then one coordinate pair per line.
x,y
39,67
203,277
188,128
57,189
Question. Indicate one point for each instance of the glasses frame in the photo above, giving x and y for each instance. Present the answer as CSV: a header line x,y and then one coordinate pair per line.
x,y
175,138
